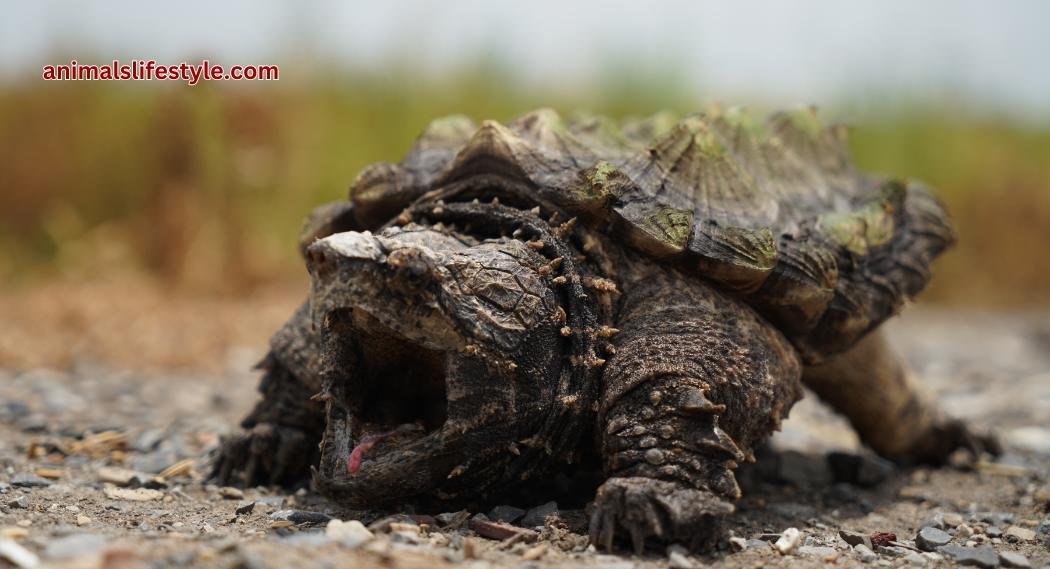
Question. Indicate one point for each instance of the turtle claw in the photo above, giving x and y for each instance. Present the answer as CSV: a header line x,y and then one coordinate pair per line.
x,y
661,510
947,437
266,454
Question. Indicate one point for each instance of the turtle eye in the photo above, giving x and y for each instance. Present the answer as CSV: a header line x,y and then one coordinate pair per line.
x,y
410,265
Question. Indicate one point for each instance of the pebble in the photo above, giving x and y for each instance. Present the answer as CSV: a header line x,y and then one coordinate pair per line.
x,y
153,462
916,559
19,503
995,518
76,545
83,520
453,520
788,541
677,560
245,510
351,533
17,555
506,514
983,556
821,551
1020,533
952,520
930,538
231,493
300,517
894,550
757,544
855,538
28,480
133,494
993,531
738,543
119,476
1011,559
865,553
538,516
964,531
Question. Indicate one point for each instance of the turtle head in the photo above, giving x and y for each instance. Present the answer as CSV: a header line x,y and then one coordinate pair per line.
x,y
442,358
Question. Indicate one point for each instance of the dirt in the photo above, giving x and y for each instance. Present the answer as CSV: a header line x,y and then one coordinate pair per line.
x,y
73,424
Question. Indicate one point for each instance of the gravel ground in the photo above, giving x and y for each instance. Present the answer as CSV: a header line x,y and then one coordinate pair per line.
x,y
102,467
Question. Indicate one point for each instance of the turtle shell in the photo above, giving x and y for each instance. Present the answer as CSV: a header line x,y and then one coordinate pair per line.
x,y
772,210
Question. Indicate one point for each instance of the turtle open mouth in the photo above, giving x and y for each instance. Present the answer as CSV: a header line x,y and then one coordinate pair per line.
x,y
396,393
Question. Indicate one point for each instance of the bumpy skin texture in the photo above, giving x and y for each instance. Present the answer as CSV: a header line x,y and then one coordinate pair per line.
x,y
645,298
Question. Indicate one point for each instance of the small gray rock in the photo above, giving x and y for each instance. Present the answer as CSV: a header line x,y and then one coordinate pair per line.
x,y
993,531
983,556
894,550
148,440
930,538
757,544
507,514
1044,526
865,553
995,518
153,462
538,516
28,480
916,559
1011,559
1018,533
19,503
300,517
821,551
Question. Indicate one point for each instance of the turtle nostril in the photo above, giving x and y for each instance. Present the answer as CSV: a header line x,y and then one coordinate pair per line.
x,y
317,258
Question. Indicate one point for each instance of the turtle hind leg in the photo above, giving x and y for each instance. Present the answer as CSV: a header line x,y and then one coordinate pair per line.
x,y
696,381
281,435
873,389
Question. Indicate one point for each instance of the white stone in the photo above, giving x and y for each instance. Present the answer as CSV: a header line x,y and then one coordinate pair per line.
x,y
351,533
788,541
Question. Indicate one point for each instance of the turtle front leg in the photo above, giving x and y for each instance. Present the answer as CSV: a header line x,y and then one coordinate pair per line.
x,y
696,381
875,391
281,436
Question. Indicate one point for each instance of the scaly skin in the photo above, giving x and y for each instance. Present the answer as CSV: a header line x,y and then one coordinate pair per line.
x,y
647,291
697,381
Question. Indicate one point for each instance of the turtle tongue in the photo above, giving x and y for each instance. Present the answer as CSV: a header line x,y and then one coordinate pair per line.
x,y
357,455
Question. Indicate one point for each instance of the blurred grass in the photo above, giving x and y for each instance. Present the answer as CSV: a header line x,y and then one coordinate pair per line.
x,y
205,187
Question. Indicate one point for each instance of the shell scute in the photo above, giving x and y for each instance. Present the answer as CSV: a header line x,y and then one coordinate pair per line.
x,y
772,209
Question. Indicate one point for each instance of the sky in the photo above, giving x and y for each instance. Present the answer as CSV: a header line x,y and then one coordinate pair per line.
x,y
992,57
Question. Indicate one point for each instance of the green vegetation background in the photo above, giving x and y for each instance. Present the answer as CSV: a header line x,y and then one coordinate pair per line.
x,y
205,187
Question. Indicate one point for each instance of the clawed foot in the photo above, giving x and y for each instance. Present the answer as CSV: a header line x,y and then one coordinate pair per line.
x,y
266,454
947,437
645,507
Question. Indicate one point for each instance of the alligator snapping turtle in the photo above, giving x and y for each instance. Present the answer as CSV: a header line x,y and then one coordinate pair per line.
x,y
645,298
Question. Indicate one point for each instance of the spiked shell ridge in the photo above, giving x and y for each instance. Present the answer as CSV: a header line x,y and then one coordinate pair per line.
x,y
772,210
